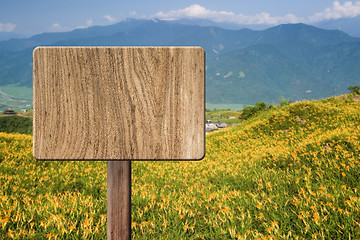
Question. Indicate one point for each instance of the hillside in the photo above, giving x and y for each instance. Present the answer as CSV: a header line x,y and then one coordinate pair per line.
x,y
294,61
266,72
288,173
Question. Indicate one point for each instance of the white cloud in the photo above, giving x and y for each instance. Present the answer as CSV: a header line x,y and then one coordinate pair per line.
x,y
347,10
89,23
7,27
194,11
134,14
110,18
199,12
56,27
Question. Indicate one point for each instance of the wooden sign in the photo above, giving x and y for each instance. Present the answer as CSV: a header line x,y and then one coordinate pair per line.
x,y
113,103
119,103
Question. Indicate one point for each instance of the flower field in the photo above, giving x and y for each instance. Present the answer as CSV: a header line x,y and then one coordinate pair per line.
x,y
288,173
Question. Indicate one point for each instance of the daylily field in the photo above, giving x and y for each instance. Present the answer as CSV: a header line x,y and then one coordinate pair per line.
x,y
290,172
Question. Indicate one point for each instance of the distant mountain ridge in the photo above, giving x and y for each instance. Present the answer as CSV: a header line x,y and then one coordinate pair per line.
x,y
295,61
348,25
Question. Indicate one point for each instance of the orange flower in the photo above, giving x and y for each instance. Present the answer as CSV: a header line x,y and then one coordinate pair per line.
x,y
316,217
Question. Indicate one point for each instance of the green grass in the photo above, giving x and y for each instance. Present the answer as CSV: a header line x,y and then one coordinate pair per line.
x,y
27,114
287,173
229,116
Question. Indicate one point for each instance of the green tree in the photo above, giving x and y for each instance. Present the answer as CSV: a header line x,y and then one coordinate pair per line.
x,y
249,111
284,101
355,89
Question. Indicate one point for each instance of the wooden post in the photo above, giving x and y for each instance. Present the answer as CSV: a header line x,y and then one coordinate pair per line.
x,y
119,103
118,200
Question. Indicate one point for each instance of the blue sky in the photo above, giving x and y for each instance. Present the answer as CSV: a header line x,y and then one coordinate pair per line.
x,y
30,17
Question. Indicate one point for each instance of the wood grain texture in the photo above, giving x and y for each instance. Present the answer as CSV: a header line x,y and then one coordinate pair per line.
x,y
103,103
119,200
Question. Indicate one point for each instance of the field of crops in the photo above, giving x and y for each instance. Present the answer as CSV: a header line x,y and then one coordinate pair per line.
x,y
290,172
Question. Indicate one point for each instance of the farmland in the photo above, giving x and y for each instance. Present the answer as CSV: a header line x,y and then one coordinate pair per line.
x,y
288,172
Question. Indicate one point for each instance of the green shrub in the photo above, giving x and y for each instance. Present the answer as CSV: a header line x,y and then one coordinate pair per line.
x,y
355,89
249,111
16,124
284,102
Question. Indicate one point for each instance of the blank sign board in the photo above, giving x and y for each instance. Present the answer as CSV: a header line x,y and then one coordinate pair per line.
x,y
119,103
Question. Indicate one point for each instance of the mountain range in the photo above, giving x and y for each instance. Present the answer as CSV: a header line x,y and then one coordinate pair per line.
x,y
293,61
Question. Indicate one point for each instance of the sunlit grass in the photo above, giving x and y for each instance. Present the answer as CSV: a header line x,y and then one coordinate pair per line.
x,y
288,173
42,200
